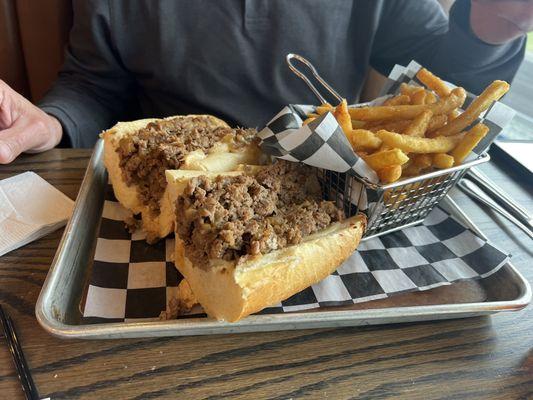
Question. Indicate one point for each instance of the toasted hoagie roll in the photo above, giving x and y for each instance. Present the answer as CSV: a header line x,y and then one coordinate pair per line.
x,y
137,154
249,239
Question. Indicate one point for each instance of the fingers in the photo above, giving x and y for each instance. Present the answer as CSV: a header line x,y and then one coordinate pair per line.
x,y
22,136
11,144
7,110
5,154
23,126
50,135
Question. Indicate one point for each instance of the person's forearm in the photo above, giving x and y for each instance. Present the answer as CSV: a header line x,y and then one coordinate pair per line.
x,y
78,111
93,89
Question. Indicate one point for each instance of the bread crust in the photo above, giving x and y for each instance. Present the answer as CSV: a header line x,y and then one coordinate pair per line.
x,y
221,158
230,291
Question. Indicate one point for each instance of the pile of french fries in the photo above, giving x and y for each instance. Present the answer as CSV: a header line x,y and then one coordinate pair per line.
x,y
418,130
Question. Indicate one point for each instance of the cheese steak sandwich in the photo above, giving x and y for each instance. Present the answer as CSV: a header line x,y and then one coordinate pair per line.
x,y
252,238
137,154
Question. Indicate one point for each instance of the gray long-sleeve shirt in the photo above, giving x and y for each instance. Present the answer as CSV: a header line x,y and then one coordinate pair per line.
x,y
146,58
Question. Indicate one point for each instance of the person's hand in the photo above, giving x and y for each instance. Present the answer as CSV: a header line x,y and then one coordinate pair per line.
x,y
24,127
499,21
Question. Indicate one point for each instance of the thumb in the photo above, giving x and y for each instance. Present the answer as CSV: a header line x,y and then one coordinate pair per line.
x,y
18,138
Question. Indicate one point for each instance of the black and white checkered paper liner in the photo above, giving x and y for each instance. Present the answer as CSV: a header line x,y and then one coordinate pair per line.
x,y
134,281
323,144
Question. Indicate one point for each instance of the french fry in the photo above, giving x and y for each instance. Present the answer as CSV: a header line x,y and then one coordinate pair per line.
x,y
384,147
443,106
387,158
455,100
394,126
433,82
358,124
324,108
413,144
362,139
419,97
408,90
372,124
422,161
436,122
442,161
410,169
399,126
390,174
343,117
420,129
453,114
380,113
419,125
492,93
430,97
399,100
469,141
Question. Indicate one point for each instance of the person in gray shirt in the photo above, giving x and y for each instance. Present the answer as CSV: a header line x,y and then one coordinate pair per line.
x,y
128,59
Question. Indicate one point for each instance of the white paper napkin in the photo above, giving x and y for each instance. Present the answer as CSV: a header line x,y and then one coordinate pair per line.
x,y
30,208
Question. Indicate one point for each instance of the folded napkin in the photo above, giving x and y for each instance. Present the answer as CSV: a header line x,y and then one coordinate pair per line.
x,y
30,208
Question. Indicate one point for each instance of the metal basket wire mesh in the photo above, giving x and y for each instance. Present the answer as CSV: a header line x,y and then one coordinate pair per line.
x,y
393,206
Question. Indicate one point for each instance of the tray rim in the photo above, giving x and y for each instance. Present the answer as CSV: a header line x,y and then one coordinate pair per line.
x,y
254,323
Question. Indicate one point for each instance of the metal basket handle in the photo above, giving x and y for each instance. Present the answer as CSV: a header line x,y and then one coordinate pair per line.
x,y
302,76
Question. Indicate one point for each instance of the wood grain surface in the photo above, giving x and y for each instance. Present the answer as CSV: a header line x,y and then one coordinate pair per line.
x,y
476,358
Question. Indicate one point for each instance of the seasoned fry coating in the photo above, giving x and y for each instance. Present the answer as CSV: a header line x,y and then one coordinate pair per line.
x,y
397,100
390,174
467,144
343,117
443,106
413,144
442,161
362,139
386,158
433,82
492,93
419,125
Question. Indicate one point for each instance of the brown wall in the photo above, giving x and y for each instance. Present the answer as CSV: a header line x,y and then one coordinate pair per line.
x,y
12,67
33,35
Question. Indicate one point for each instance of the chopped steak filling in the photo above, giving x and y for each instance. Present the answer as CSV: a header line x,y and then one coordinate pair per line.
x,y
234,216
161,145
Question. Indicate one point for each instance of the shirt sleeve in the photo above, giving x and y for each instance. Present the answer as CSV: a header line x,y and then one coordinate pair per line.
x,y
420,31
93,88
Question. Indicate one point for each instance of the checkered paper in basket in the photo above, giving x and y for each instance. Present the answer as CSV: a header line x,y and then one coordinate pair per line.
x,y
134,281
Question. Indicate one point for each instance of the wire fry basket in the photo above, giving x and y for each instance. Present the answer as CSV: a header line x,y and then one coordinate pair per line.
x,y
396,205
389,207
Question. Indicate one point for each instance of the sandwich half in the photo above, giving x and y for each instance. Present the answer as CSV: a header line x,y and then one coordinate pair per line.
x,y
137,154
252,238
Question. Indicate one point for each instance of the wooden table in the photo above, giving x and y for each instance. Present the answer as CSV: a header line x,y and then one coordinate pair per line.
x,y
481,358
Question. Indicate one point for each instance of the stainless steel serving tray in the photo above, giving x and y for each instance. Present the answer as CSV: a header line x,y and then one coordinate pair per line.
x,y
58,306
